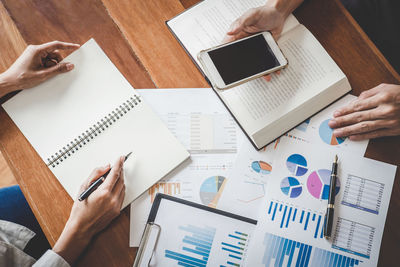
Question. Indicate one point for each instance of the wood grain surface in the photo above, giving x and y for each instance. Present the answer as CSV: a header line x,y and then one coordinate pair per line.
x,y
73,21
12,44
130,31
162,56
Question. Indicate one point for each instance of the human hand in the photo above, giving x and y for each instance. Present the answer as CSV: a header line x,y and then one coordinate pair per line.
x,y
270,17
92,215
264,18
375,113
35,65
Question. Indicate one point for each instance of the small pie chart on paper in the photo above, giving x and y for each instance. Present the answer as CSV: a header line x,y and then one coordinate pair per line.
x,y
326,134
297,164
291,187
211,190
261,167
318,184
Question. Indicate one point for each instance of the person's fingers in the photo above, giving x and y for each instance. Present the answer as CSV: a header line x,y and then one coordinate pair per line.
x,y
121,197
55,55
119,183
358,105
267,77
96,173
355,117
48,62
374,134
228,39
115,172
236,27
361,127
51,46
54,70
371,92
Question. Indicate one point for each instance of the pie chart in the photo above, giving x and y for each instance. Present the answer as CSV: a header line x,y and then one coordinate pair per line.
x,y
318,184
291,187
211,190
261,167
297,164
326,134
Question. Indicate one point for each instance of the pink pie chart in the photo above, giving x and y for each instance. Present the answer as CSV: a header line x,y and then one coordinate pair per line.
x,y
318,184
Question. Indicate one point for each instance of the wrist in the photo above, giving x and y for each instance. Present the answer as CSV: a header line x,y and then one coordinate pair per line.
x,y
5,85
73,240
284,7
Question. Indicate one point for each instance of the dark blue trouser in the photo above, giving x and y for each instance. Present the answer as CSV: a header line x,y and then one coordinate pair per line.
x,y
14,208
380,19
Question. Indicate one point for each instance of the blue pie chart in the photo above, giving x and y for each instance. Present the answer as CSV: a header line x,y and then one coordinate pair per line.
x,y
297,164
291,187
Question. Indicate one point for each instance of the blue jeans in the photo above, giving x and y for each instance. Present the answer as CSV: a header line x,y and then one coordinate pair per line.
x,y
14,208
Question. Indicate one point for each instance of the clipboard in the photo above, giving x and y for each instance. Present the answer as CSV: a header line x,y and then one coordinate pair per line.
x,y
153,230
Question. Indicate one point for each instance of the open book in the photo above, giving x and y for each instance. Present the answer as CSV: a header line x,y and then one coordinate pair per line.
x,y
266,110
89,117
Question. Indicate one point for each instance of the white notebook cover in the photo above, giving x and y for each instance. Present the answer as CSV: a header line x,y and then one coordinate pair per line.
x,y
57,112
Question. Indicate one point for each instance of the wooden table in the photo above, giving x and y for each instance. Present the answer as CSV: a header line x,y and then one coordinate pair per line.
x,y
134,36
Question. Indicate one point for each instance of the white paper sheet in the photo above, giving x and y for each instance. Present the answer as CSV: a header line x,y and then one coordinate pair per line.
x,y
201,180
292,213
54,114
199,239
197,118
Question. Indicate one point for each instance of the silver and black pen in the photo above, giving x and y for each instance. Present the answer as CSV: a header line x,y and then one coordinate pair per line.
x,y
330,210
85,194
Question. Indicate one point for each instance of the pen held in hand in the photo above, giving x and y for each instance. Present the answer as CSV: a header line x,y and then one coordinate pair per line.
x,y
85,194
330,210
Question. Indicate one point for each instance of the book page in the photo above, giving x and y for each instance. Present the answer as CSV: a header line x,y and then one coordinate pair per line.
x,y
258,103
206,24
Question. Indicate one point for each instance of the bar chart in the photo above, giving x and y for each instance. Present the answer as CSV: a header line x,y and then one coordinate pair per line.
x,y
196,247
280,251
202,246
289,216
353,237
363,194
168,188
235,247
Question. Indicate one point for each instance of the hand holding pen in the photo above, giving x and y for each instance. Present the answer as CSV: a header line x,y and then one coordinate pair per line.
x,y
97,211
85,194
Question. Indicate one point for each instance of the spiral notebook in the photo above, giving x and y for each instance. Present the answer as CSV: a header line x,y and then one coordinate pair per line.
x,y
89,117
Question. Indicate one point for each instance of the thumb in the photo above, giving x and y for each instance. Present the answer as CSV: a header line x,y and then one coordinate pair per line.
x,y
236,27
56,69
96,173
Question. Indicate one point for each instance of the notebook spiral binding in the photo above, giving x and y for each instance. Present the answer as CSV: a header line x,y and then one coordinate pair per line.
x,y
96,129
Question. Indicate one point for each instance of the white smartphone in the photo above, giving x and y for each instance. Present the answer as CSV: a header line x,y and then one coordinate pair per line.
x,y
234,63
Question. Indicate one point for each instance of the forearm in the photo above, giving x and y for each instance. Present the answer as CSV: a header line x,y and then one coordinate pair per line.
x,y
73,240
284,6
5,86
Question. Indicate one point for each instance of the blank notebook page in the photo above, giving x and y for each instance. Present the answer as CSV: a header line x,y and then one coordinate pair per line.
x,y
95,111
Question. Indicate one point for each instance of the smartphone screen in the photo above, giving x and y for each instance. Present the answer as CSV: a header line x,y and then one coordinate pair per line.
x,y
243,59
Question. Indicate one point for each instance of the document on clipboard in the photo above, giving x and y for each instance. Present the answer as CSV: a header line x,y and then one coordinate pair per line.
x,y
184,233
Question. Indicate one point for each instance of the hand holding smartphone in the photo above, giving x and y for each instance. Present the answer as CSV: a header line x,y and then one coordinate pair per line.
x,y
234,63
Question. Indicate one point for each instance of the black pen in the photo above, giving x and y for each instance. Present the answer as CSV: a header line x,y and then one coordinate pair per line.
x,y
85,194
331,202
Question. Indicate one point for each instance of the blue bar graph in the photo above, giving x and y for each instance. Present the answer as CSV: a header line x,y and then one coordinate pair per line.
x,y
285,216
286,252
197,246
235,247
